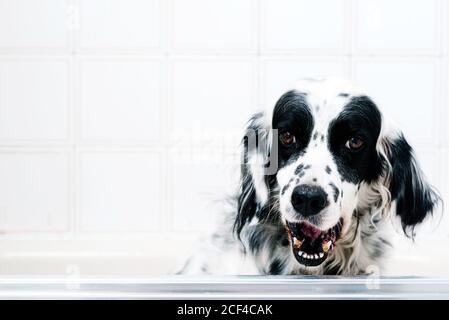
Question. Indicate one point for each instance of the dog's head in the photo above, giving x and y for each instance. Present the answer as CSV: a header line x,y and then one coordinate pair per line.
x,y
324,152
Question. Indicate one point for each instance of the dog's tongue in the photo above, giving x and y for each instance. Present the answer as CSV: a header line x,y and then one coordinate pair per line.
x,y
311,231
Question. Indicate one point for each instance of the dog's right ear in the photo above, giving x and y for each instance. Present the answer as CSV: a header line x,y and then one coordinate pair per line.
x,y
256,167
414,197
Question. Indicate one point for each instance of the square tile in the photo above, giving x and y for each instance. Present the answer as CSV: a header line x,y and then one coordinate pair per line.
x,y
211,100
120,24
303,25
219,24
31,24
34,99
120,99
120,191
35,191
384,25
404,90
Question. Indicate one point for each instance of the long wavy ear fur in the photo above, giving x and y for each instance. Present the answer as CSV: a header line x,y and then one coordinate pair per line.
x,y
414,198
254,190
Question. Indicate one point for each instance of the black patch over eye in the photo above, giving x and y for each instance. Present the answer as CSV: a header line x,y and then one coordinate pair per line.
x,y
287,139
294,121
352,140
355,144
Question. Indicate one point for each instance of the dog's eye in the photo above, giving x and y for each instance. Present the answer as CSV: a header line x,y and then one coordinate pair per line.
x,y
354,143
287,138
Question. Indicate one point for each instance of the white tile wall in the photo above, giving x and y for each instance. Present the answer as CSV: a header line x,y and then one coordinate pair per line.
x,y
33,24
119,191
407,93
99,99
132,112
35,188
397,26
445,97
203,25
34,99
301,25
119,24
206,95
198,208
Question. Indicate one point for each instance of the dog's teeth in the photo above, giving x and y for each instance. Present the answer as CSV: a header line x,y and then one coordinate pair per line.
x,y
327,246
300,253
321,254
316,256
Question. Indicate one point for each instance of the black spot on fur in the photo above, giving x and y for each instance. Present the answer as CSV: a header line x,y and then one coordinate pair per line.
x,y
275,267
328,170
255,240
285,188
344,95
315,136
299,169
335,190
314,180
385,242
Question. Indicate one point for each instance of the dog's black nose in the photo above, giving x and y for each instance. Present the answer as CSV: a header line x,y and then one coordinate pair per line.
x,y
309,200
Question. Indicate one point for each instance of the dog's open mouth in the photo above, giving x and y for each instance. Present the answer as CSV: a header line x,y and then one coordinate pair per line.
x,y
311,246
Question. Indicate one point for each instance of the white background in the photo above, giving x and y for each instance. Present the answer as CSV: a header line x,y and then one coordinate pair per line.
x,y
118,117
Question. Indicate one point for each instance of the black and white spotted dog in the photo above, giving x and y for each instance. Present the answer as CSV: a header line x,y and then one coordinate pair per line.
x,y
321,174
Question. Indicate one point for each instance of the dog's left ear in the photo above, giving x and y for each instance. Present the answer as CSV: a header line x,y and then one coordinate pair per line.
x,y
414,198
